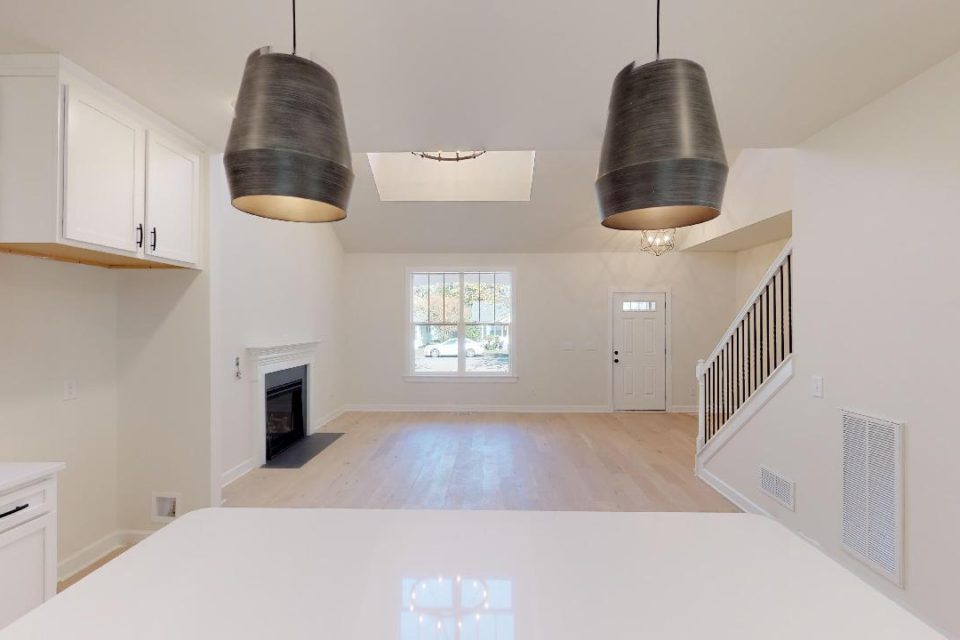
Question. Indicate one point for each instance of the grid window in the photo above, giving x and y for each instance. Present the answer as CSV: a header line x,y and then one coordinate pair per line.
x,y
460,322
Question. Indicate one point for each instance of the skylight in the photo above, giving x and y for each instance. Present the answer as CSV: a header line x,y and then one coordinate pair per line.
x,y
495,176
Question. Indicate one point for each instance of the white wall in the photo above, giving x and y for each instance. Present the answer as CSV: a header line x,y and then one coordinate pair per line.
x,y
273,283
560,298
759,186
752,264
58,321
877,309
163,391
138,344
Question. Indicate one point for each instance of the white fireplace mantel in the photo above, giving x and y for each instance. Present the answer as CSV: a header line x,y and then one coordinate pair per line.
x,y
264,360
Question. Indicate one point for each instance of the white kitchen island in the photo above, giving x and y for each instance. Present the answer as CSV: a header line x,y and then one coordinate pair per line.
x,y
379,575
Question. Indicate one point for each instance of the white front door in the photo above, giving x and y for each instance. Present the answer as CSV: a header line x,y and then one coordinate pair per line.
x,y
640,352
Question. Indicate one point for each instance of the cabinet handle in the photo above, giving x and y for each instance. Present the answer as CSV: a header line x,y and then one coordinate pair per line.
x,y
153,239
14,510
139,235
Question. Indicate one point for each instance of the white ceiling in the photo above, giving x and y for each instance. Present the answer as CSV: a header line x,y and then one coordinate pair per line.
x,y
499,75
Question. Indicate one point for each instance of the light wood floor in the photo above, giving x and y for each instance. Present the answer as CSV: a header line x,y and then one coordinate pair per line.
x,y
577,462
83,573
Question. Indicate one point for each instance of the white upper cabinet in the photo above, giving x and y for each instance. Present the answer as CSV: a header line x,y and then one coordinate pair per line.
x,y
88,175
173,199
103,185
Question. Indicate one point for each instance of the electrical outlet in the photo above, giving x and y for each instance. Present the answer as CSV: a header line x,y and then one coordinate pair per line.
x,y
816,384
70,391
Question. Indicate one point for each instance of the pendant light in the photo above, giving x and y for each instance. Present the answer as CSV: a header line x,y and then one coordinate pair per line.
x,y
662,164
287,156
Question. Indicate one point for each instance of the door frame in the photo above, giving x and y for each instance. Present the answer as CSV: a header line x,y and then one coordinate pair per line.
x,y
667,292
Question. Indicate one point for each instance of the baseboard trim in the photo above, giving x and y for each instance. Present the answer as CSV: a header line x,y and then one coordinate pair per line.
x,y
92,553
683,408
318,426
731,494
493,408
479,408
244,467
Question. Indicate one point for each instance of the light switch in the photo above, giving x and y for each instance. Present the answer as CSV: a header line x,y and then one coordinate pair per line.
x,y
70,390
816,383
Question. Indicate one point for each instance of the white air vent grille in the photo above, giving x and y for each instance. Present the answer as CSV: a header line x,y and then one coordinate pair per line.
x,y
777,487
872,492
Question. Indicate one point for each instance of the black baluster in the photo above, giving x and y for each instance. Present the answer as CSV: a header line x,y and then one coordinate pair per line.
x,y
773,282
766,327
749,358
746,355
783,313
710,395
730,377
709,383
790,299
753,349
736,369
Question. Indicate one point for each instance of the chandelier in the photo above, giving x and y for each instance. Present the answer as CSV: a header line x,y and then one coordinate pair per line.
x,y
457,611
449,156
657,241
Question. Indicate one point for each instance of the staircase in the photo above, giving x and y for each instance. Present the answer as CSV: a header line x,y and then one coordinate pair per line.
x,y
752,361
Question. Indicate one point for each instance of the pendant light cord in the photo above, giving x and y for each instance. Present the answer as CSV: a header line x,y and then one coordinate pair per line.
x,y
294,2
658,29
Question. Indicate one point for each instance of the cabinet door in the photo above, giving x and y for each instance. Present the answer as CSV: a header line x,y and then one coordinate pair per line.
x,y
173,199
104,169
24,555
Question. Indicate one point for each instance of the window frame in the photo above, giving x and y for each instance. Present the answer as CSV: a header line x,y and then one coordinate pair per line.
x,y
461,374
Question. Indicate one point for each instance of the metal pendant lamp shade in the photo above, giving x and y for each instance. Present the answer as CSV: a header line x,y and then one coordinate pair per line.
x,y
663,164
287,156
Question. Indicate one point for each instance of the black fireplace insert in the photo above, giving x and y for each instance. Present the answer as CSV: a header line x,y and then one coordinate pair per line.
x,y
285,409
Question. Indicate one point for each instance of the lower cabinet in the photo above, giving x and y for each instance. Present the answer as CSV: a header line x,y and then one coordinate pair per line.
x,y
25,556
28,537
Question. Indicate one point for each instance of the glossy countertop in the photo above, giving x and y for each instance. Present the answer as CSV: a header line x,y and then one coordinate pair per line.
x,y
424,575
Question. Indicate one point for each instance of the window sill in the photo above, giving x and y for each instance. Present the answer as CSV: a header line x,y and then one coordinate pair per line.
x,y
466,378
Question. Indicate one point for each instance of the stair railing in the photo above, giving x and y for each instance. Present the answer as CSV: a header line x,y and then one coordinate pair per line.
x,y
758,341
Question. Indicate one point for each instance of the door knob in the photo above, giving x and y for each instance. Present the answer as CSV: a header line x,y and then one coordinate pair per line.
x,y
616,353
616,359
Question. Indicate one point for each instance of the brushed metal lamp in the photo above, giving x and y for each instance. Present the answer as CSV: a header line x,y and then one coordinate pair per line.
x,y
287,156
662,164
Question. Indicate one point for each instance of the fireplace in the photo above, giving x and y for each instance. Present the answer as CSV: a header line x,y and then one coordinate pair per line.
x,y
285,409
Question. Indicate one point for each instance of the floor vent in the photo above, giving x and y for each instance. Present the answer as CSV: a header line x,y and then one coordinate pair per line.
x,y
778,487
873,493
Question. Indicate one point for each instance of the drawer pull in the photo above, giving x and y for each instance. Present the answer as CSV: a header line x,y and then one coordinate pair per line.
x,y
14,510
